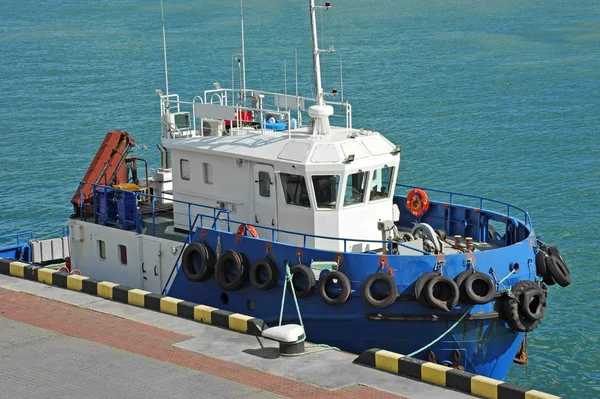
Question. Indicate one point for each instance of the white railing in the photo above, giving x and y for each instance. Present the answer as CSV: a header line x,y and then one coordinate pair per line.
x,y
263,103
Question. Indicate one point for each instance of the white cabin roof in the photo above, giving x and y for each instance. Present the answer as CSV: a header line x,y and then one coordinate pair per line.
x,y
298,147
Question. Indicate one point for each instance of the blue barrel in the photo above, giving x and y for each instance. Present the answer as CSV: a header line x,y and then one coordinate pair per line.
x,y
127,209
106,208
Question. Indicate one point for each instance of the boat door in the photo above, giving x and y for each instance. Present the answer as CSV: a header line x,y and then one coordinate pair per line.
x,y
265,199
151,275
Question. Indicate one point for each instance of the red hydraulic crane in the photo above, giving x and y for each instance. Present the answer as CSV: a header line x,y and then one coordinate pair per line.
x,y
107,168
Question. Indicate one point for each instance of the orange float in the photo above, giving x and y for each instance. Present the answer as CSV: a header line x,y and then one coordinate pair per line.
x,y
243,229
417,202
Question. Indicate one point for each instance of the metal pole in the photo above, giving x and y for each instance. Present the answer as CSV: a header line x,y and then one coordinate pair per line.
x,y
341,79
316,54
162,14
243,54
298,112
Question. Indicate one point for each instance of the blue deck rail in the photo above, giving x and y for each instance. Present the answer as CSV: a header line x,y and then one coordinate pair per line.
x,y
17,238
223,215
482,200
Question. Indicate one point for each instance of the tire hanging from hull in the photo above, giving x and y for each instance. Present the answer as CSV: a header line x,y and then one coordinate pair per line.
x,y
376,299
302,272
264,274
479,288
441,292
229,261
342,281
557,267
197,262
525,307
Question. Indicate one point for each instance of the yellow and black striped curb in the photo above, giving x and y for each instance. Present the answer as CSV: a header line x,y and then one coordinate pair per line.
x,y
134,296
446,376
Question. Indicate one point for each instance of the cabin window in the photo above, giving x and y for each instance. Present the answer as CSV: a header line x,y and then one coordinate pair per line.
x,y
122,254
382,181
326,189
207,170
101,249
184,166
356,188
264,184
294,189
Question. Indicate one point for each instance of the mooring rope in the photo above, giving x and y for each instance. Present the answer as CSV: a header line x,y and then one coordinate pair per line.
x,y
321,347
443,335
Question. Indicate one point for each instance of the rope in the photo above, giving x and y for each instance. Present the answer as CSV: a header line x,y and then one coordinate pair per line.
x,y
288,278
321,347
507,276
441,336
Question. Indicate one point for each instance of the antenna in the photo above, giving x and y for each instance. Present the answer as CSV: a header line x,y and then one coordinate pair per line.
x,y
341,79
162,14
243,53
298,112
233,58
285,80
296,63
316,51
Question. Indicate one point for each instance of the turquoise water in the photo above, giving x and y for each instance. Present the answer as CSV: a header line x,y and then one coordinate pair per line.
x,y
500,99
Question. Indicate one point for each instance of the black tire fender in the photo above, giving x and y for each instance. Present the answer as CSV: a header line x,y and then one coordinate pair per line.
x,y
442,293
420,286
533,303
512,311
552,250
264,267
558,270
540,263
228,259
479,288
306,273
459,280
197,262
380,302
345,287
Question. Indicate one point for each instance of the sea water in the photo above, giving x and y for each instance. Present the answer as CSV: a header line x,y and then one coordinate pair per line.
x,y
499,99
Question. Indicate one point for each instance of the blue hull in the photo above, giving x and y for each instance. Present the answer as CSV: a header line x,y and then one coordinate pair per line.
x,y
486,343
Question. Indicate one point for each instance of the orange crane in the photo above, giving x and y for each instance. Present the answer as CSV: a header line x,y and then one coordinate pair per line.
x,y
107,168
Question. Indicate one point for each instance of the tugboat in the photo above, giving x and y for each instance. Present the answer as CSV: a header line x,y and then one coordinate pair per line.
x,y
246,191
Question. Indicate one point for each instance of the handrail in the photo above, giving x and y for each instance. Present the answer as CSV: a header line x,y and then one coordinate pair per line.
x,y
218,215
308,235
17,236
481,199
95,186
345,104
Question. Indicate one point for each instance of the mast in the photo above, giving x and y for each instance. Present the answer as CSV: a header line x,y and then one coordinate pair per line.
x,y
243,55
320,112
162,14
316,53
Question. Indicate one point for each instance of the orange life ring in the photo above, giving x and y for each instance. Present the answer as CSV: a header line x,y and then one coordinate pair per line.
x,y
247,228
417,202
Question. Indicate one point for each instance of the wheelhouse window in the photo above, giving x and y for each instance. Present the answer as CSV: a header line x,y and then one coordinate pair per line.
x,y
122,254
207,168
264,184
294,189
184,166
356,185
382,181
326,189
101,249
